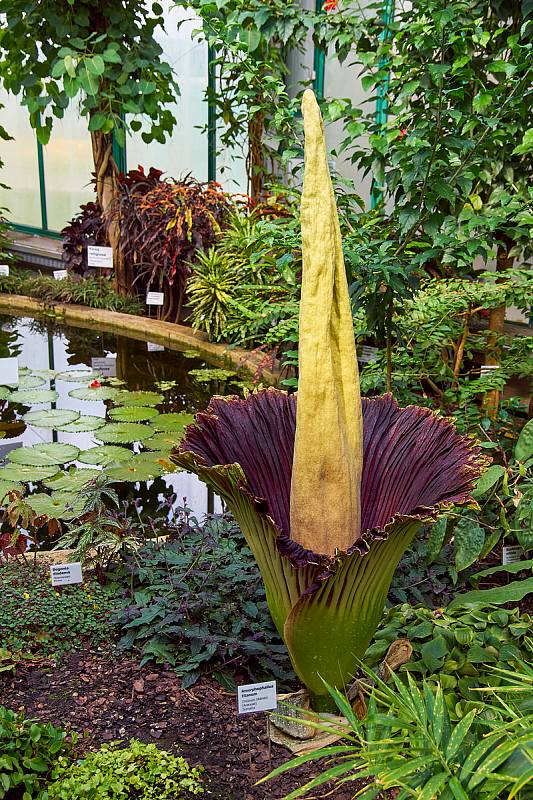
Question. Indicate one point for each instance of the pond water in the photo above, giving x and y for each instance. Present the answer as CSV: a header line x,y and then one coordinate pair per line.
x,y
47,346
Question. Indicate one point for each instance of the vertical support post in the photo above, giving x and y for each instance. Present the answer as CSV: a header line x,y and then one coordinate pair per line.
x,y
211,115
42,186
119,154
319,62
376,191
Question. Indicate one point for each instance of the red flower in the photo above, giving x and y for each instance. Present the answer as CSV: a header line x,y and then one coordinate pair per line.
x,y
403,133
95,385
330,5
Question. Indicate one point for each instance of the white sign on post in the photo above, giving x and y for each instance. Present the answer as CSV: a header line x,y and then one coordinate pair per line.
x,y
511,554
60,274
107,367
65,574
9,371
101,257
155,299
486,369
4,269
368,354
155,348
257,697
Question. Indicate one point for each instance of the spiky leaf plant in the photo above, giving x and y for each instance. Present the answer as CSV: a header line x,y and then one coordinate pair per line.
x,y
328,490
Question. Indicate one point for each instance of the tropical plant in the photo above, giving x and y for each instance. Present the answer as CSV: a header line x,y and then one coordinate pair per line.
x,y
110,63
113,773
29,751
86,228
323,528
408,743
197,603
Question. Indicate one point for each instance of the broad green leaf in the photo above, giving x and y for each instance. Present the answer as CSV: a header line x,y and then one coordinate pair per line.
x,y
30,381
105,454
26,473
488,479
123,432
45,454
30,397
9,486
433,652
163,440
135,470
71,480
97,393
59,505
124,397
437,532
51,418
76,376
524,446
176,422
133,413
469,540
516,567
84,424
511,593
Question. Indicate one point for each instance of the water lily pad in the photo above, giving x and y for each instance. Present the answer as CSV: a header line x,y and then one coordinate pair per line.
x,y
29,381
84,423
164,440
206,375
159,457
43,455
98,393
123,432
9,486
76,376
58,505
31,397
136,470
126,398
51,418
172,422
26,472
5,392
105,454
71,480
133,413
48,374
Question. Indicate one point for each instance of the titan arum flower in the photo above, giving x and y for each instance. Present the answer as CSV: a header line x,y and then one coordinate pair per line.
x,y
328,489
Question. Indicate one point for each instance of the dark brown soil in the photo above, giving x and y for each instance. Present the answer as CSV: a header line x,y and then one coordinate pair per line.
x,y
107,697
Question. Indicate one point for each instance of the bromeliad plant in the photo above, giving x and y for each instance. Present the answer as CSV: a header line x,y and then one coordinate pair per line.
x,y
329,490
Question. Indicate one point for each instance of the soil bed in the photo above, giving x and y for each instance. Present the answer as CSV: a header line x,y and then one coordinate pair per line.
x,y
107,697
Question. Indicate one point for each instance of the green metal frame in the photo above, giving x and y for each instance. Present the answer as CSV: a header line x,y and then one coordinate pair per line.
x,y
211,117
319,62
376,191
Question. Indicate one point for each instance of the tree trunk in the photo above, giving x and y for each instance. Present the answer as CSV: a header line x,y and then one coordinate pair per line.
x,y
491,402
107,193
254,162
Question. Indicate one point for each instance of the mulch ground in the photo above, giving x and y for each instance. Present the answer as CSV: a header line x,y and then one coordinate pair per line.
x,y
108,697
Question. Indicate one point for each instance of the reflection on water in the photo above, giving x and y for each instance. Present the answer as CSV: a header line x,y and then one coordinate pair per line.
x,y
41,346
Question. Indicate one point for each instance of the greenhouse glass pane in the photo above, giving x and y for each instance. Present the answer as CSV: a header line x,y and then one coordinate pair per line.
x,y
67,168
21,169
186,150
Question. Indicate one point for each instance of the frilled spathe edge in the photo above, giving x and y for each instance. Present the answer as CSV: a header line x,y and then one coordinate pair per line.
x,y
415,464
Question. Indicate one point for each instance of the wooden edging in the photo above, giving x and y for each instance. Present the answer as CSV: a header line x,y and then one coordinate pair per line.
x,y
169,334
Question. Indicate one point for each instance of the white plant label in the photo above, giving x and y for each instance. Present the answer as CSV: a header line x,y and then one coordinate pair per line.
x,y
9,371
155,348
101,257
4,269
512,553
155,299
65,574
486,369
368,354
60,274
107,367
255,697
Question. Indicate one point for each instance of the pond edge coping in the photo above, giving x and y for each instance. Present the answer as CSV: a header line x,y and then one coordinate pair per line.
x,y
170,334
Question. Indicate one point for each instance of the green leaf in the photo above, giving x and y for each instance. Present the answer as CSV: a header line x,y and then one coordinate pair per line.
x,y
84,424
123,397
71,480
123,432
433,652
59,505
9,486
518,566
437,533
97,121
488,479
133,413
26,473
32,397
98,393
524,446
163,441
43,455
51,418
511,593
76,376
135,470
469,540
105,454
176,422
30,381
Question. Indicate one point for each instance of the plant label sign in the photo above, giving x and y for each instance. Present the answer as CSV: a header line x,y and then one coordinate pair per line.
x,y
155,348
155,299
486,369
4,269
65,574
9,370
511,554
60,274
367,354
255,697
107,367
101,257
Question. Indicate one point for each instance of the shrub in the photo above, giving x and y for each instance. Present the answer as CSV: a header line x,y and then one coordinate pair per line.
x,y
200,606
38,619
86,228
28,751
137,771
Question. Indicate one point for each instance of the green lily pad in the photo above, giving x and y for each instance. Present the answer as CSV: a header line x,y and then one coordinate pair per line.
x,y
173,422
76,376
30,397
164,440
9,486
136,470
51,418
105,454
48,374
98,393
71,480
43,455
5,392
126,398
206,375
84,423
59,505
30,381
133,413
160,457
26,472
123,432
